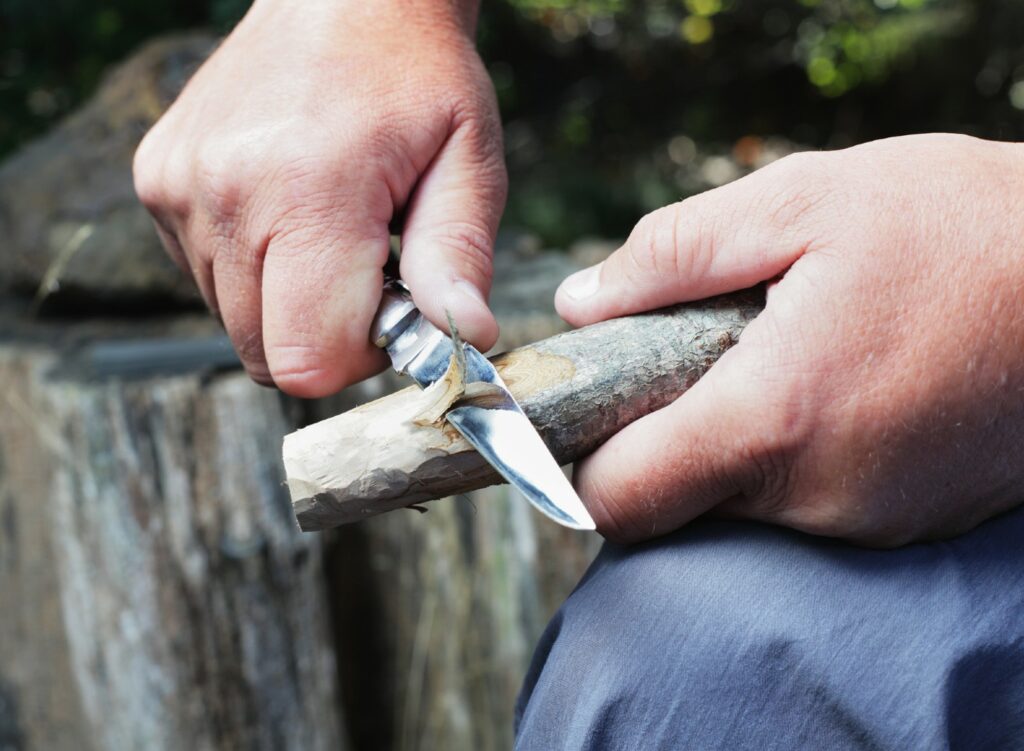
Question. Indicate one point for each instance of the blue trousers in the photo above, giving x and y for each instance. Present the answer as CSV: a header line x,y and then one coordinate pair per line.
x,y
736,636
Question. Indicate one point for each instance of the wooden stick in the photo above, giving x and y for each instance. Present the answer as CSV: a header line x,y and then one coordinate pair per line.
x,y
578,388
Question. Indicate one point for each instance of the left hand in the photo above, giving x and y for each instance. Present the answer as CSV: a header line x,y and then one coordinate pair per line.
x,y
880,395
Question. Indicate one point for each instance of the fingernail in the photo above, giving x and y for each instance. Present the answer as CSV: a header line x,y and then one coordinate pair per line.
x,y
583,284
469,290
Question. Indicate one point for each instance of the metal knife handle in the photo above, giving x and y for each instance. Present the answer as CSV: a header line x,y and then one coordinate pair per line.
x,y
396,313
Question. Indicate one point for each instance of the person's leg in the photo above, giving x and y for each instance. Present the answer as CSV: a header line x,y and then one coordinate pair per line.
x,y
740,636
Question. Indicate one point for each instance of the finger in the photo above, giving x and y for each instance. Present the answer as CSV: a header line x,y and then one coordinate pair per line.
x,y
726,239
158,183
719,440
448,239
238,278
322,283
170,242
192,264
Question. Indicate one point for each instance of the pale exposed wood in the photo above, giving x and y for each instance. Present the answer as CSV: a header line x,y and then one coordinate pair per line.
x,y
578,388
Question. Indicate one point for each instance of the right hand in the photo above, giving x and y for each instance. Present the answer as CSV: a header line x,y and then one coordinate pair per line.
x,y
274,176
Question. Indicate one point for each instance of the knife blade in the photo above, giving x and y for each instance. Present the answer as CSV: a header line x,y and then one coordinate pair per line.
x,y
500,431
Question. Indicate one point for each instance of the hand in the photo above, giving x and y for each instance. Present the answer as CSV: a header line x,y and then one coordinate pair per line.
x,y
880,395
275,175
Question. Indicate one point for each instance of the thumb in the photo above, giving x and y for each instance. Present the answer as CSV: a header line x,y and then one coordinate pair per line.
x,y
448,238
725,239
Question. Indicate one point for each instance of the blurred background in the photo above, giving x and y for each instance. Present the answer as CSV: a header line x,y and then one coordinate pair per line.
x,y
154,591
612,107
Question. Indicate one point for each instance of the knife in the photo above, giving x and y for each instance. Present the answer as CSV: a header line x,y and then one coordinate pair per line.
x,y
497,428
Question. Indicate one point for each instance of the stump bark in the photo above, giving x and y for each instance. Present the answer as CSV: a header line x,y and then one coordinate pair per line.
x,y
156,593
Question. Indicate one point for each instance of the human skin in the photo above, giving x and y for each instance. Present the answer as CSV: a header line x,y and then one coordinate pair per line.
x,y
880,395
275,175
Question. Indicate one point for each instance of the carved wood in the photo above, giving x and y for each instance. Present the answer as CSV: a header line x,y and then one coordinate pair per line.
x,y
578,388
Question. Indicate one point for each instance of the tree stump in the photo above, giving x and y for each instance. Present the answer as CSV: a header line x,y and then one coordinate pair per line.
x,y
437,613
156,593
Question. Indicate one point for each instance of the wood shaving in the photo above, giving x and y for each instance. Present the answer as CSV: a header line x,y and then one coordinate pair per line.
x,y
452,390
439,396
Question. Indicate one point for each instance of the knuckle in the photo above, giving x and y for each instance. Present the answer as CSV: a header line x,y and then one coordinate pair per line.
x,y
249,346
467,245
160,175
300,370
221,175
801,187
652,246
477,116
771,451
770,479
380,141
148,175
145,175
666,245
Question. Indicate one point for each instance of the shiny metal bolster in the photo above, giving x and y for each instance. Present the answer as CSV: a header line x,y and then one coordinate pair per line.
x,y
396,312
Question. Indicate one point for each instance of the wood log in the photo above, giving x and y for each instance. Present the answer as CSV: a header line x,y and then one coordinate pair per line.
x,y
156,592
578,388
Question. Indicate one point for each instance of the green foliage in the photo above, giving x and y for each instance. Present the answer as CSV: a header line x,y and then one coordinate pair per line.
x,y
848,43
595,93
610,105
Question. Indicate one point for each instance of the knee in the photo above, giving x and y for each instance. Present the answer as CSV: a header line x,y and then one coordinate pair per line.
x,y
653,635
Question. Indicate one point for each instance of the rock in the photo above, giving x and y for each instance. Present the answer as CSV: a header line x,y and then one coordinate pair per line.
x,y
68,211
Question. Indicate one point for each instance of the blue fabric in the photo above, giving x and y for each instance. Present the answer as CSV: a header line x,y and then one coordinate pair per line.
x,y
737,636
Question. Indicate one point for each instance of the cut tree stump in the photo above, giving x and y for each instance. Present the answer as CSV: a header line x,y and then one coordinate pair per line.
x,y
578,388
155,591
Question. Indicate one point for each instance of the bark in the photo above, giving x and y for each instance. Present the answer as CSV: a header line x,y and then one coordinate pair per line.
x,y
156,593
579,388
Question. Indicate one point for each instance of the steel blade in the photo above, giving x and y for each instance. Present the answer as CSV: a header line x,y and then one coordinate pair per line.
x,y
506,438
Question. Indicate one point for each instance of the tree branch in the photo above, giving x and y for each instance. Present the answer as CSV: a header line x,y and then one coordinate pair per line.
x,y
578,388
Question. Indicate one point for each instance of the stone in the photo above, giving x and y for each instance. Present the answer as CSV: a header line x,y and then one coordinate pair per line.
x,y
69,217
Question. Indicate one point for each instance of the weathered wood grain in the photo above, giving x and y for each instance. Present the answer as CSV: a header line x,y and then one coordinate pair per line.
x,y
156,593
578,388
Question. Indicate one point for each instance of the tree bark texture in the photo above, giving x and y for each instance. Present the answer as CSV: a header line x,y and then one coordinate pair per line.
x,y
578,388
155,591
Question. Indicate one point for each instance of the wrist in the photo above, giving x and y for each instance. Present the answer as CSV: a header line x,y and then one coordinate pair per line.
x,y
457,15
